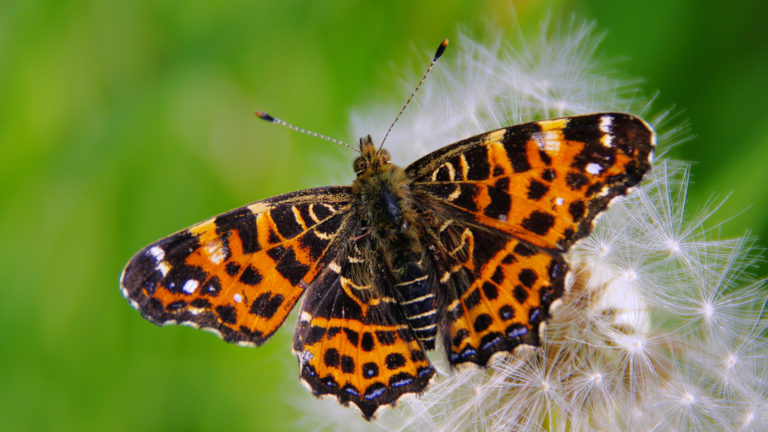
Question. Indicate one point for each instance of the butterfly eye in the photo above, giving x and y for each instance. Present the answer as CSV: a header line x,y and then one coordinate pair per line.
x,y
360,165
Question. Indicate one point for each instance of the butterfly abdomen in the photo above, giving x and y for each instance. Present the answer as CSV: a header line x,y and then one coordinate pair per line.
x,y
417,301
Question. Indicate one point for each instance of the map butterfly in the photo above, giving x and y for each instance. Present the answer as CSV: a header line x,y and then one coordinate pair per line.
x,y
466,245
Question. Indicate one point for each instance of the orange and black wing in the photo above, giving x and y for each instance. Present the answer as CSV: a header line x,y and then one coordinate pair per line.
x,y
239,274
494,290
507,204
352,340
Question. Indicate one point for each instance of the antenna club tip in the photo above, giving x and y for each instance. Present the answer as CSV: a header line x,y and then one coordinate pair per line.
x,y
441,48
264,116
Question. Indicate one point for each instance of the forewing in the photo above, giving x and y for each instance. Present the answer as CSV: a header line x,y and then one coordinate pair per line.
x,y
239,274
542,182
352,340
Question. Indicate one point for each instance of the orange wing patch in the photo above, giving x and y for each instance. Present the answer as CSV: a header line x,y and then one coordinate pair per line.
x,y
238,274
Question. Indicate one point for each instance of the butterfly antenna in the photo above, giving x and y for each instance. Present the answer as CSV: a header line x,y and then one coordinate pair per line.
x,y
439,52
269,118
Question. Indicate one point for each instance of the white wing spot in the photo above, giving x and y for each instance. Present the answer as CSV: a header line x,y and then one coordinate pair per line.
x,y
306,356
157,253
215,251
605,124
237,298
298,218
559,201
464,166
455,194
314,217
445,225
594,168
445,277
606,140
164,268
312,214
449,167
548,141
334,267
322,235
190,286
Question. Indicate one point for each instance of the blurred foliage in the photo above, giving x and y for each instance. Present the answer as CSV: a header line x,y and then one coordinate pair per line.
x,y
121,122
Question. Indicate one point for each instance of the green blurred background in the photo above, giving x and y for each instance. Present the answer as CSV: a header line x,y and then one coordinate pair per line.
x,y
121,122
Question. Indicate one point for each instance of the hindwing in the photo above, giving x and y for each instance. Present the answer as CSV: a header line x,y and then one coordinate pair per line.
x,y
352,339
239,274
495,291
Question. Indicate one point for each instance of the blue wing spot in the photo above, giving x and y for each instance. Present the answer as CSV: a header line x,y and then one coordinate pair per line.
x,y
375,391
401,383
468,352
516,331
535,315
490,343
426,371
352,391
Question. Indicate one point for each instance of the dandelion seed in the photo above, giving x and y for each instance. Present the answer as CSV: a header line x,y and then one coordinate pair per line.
x,y
673,246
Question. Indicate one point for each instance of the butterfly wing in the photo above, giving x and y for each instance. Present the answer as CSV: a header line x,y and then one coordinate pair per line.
x,y
542,182
352,340
239,274
507,204
494,290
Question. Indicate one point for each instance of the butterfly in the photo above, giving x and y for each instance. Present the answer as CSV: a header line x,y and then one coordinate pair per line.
x,y
465,245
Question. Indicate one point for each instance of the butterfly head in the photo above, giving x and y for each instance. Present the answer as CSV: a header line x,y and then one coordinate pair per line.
x,y
381,194
371,158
